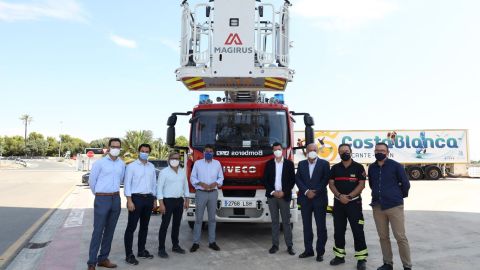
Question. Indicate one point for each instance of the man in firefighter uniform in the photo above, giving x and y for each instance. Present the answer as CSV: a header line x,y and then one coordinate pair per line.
x,y
347,180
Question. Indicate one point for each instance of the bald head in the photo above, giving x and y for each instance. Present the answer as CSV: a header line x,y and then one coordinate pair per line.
x,y
312,147
312,150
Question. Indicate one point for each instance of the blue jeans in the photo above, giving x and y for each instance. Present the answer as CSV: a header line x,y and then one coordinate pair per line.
x,y
106,211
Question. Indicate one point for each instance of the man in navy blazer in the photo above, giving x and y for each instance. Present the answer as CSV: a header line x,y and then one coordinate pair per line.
x,y
279,180
312,180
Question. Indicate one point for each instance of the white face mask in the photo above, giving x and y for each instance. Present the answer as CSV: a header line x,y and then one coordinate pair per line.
x,y
312,155
278,153
114,152
174,163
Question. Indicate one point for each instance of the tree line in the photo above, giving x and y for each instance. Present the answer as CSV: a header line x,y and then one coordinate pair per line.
x,y
35,144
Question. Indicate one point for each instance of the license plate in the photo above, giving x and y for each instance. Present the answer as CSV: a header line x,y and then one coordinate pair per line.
x,y
237,203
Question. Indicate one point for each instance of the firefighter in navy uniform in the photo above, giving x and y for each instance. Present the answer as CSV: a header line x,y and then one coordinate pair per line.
x,y
347,180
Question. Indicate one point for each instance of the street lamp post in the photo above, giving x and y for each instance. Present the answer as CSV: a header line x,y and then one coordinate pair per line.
x,y
60,137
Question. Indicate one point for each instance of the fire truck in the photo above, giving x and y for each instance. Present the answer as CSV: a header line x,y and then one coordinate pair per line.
x,y
240,50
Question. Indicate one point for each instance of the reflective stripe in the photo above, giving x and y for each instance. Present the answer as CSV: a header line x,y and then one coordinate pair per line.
x,y
339,252
361,222
361,255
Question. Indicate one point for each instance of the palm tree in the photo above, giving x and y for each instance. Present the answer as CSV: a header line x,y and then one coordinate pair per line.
x,y
133,139
26,120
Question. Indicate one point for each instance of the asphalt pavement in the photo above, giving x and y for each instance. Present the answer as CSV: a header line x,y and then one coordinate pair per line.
x,y
27,194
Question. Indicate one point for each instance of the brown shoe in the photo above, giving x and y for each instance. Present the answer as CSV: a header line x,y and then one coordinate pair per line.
x,y
107,264
91,267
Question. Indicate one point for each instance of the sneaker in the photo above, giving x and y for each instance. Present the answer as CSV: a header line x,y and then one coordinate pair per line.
x,y
362,265
385,266
214,246
273,249
194,247
130,259
337,261
145,254
178,249
162,253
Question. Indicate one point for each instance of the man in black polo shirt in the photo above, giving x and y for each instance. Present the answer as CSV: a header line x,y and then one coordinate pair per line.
x,y
347,180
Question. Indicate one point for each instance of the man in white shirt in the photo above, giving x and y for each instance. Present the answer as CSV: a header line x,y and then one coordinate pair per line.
x,y
206,178
172,194
140,189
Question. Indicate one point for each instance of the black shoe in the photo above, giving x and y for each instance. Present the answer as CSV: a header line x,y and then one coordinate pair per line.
x,y
178,249
162,254
362,265
337,261
214,246
306,255
145,254
130,259
407,268
385,266
273,249
319,258
291,251
194,247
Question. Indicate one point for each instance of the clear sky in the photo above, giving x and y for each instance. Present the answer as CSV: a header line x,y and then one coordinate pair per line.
x,y
95,69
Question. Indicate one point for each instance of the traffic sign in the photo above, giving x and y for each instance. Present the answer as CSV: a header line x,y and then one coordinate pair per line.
x,y
90,154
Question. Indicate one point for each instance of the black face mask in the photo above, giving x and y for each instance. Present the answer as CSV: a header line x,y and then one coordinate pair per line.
x,y
380,156
345,156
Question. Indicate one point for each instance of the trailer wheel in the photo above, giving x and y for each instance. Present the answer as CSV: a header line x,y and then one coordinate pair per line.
x,y
415,173
433,173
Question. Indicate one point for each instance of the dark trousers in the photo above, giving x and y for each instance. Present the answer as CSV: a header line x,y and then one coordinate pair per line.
x,y
173,207
106,210
142,212
317,206
353,213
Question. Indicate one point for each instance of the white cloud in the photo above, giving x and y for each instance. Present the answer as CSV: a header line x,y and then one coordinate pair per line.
x,y
123,42
68,10
343,14
174,45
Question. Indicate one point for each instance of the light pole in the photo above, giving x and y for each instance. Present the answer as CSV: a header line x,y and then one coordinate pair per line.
x,y
60,137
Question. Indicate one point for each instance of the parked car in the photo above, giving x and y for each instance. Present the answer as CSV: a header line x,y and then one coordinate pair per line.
x,y
85,178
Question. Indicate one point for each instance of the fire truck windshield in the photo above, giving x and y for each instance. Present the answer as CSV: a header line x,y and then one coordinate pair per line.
x,y
240,128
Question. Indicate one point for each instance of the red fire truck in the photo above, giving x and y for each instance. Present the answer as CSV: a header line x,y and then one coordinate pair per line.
x,y
238,47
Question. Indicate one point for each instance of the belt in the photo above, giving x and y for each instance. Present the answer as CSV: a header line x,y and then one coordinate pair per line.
x,y
149,195
211,190
107,194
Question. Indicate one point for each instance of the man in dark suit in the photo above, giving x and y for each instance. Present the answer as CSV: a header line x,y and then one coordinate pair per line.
x,y
312,180
279,180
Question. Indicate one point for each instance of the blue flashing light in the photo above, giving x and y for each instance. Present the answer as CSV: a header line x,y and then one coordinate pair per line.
x,y
204,99
280,98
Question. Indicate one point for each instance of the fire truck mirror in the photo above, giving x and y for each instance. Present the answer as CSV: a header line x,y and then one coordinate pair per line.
x,y
172,120
308,135
308,120
171,136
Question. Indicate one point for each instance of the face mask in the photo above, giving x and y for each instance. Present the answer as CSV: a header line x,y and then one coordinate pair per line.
x,y
208,155
114,152
312,155
174,163
380,156
278,153
345,156
143,156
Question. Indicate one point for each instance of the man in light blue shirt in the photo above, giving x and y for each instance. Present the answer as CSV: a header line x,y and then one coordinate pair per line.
x,y
105,178
140,189
206,177
172,193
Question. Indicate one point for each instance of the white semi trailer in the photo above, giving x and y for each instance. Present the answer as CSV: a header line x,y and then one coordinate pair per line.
x,y
426,154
